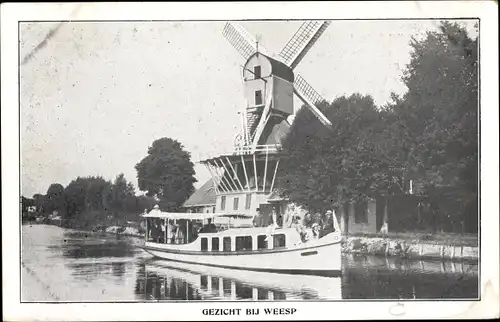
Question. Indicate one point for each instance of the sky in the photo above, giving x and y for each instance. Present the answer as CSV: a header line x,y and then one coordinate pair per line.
x,y
94,96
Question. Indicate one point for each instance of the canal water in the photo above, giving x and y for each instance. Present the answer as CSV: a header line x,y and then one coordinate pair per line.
x,y
66,265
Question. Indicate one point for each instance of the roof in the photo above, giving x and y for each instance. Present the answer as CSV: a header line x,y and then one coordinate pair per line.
x,y
278,68
204,196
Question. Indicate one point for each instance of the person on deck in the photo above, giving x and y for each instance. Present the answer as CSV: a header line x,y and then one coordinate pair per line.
x,y
307,221
258,219
315,231
209,227
328,225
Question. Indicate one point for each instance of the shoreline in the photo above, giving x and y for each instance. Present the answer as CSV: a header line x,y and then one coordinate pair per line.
x,y
362,245
414,250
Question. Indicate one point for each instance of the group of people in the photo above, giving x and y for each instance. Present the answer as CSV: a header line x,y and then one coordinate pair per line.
x,y
177,232
310,227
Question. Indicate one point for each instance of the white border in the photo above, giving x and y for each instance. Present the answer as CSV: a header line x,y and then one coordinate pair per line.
x,y
487,11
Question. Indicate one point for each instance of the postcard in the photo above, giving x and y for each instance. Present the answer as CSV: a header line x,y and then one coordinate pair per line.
x,y
250,160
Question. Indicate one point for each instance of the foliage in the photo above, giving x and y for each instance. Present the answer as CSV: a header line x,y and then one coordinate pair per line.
x,y
167,173
438,114
122,194
429,134
85,194
55,198
324,167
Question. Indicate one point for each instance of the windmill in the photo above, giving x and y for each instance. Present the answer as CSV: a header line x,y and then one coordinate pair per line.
x,y
270,82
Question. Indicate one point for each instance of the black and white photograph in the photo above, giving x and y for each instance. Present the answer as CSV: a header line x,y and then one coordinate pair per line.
x,y
275,162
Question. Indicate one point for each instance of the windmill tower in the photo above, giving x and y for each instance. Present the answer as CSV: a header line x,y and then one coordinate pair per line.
x,y
270,84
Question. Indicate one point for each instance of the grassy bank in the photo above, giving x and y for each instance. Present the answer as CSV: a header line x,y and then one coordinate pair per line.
x,y
438,238
443,246
103,222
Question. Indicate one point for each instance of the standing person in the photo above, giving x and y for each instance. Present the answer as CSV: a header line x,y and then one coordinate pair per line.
x,y
288,218
274,218
209,227
307,221
317,219
258,219
328,226
272,224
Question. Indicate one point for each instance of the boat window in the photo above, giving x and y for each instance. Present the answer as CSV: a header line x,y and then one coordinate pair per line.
x,y
204,282
215,283
204,244
262,294
279,295
242,291
226,286
215,244
261,242
279,240
244,243
226,244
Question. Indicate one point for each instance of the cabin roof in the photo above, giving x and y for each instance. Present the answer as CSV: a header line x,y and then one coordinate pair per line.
x,y
204,196
250,231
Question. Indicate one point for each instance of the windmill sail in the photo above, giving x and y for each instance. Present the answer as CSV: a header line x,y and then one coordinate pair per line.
x,y
300,43
310,98
244,43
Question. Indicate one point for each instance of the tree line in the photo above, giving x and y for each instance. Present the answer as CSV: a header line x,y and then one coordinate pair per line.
x,y
428,135
91,198
166,175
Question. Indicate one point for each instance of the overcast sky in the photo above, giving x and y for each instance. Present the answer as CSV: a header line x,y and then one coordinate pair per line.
x,y
96,95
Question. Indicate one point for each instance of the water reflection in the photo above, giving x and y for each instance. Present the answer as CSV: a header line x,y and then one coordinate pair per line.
x,y
159,282
367,277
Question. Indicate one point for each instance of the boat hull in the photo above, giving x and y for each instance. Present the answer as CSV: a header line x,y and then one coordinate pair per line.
x,y
322,259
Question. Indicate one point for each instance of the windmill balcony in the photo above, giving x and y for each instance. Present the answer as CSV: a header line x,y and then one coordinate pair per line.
x,y
241,150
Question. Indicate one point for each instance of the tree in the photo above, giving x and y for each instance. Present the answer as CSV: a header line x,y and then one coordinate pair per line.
x,y
122,194
55,198
439,111
322,167
167,173
85,194
437,116
40,201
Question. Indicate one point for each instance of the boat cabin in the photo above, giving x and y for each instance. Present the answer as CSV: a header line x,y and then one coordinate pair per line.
x,y
248,239
212,232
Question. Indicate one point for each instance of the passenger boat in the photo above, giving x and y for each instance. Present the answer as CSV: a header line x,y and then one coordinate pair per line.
x,y
262,249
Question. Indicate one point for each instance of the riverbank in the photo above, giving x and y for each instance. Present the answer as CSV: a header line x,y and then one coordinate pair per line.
x,y
415,246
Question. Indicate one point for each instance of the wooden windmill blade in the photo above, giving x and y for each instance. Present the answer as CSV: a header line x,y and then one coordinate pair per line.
x,y
310,98
300,43
244,43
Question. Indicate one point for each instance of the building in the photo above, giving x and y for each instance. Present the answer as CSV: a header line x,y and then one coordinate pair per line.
x,y
202,200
